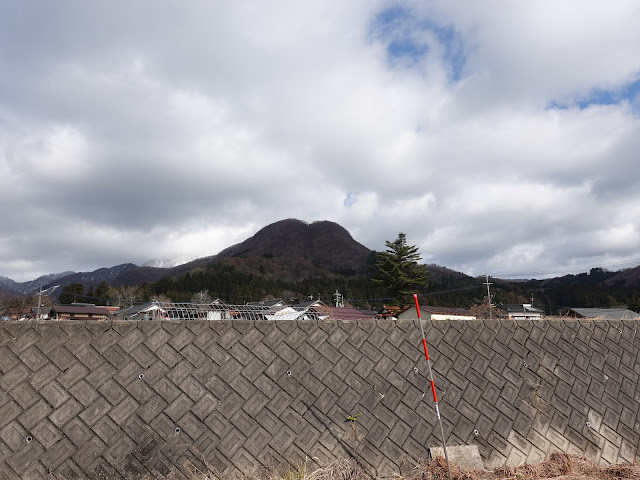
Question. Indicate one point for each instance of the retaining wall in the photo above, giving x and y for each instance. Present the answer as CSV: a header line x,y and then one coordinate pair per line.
x,y
164,398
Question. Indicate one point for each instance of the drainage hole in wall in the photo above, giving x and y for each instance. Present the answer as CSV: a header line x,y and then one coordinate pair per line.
x,y
29,438
141,376
177,429
288,373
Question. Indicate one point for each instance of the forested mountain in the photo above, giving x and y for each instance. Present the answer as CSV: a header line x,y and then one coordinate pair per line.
x,y
291,259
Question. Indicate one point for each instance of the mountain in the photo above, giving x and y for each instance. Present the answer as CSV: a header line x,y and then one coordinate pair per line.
x,y
98,276
167,263
25,288
629,277
295,252
324,243
289,249
280,249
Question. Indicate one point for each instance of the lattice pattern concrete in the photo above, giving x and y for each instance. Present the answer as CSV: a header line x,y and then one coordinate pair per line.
x,y
130,399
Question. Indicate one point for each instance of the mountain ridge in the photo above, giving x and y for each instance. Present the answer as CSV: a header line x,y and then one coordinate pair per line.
x,y
327,246
294,250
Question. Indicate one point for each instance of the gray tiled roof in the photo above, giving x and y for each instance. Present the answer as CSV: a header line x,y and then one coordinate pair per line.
x,y
608,313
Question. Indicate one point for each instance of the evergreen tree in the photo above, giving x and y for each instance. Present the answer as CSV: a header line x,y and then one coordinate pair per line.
x,y
102,293
399,271
72,293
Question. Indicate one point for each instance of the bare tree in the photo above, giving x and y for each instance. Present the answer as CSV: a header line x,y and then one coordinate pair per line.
x,y
161,298
201,297
125,296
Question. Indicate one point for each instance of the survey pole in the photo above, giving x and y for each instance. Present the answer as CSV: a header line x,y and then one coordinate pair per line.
x,y
433,385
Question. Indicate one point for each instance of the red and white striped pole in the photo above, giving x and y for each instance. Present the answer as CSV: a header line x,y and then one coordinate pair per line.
x,y
433,385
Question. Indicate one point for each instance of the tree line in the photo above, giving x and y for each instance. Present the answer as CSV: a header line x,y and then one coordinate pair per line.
x,y
389,278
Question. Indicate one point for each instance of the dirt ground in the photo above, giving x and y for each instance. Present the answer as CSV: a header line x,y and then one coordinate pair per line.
x,y
560,466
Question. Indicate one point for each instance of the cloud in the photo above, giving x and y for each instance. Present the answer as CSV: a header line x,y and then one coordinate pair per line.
x,y
499,138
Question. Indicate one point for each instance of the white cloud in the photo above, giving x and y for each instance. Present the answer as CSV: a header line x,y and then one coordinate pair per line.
x,y
164,129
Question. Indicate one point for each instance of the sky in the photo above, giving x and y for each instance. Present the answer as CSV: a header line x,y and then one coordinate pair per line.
x,y
501,137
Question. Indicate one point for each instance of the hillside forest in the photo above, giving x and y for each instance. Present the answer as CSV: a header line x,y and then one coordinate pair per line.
x,y
232,283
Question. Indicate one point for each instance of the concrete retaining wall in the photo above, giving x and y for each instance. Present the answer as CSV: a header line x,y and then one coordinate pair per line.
x,y
136,399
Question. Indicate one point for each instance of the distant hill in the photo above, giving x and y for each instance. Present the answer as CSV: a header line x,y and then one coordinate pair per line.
x,y
292,251
326,244
289,250
629,277
24,288
98,276
320,249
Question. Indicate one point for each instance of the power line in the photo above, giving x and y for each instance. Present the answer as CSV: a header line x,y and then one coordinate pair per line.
x,y
422,294
449,291
632,262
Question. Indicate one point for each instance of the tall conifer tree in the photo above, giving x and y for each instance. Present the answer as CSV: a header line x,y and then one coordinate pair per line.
x,y
399,271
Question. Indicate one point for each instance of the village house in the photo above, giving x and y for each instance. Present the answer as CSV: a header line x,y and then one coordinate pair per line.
x,y
522,312
437,313
79,312
603,313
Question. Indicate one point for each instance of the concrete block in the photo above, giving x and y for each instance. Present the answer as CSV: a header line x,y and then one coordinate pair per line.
x,y
178,407
100,375
77,431
168,355
123,410
140,390
364,366
464,456
335,383
46,434
143,355
156,335
182,337
106,429
343,367
56,455
83,392
243,355
23,460
95,411
276,369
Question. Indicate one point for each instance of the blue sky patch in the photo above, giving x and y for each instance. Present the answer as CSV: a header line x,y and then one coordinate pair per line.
x,y
402,31
598,96
628,92
349,199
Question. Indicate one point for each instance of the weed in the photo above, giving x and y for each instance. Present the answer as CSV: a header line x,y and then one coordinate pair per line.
x,y
353,418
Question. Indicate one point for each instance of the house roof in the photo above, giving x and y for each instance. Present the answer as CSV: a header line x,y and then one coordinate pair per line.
x,y
309,303
522,308
80,309
144,307
348,313
608,313
268,303
446,311
287,313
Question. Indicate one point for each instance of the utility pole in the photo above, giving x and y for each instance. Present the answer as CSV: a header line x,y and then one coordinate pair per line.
x,y
339,299
487,283
39,303
46,292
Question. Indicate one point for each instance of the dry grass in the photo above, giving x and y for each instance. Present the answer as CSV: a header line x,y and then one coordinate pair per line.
x,y
344,469
558,466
